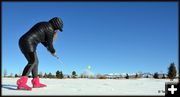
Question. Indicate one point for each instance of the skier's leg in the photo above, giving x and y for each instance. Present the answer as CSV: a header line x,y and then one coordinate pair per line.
x,y
35,68
22,82
36,83
32,61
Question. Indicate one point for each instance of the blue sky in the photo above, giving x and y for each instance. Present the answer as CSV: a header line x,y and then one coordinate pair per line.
x,y
109,36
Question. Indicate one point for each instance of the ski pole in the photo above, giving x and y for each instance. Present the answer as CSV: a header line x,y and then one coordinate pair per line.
x,y
59,60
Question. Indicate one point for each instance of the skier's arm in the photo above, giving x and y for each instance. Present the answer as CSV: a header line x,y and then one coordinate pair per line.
x,y
50,42
44,43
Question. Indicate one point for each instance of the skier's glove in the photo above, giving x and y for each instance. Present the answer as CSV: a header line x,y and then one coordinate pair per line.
x,y
54,54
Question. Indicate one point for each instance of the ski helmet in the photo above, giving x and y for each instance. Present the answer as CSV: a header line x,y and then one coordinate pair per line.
x,y
57,23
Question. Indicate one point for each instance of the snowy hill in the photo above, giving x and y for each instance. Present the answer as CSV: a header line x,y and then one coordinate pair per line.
x,y
89,87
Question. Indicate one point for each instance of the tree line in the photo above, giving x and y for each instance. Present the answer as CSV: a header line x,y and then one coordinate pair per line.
x,y
59,74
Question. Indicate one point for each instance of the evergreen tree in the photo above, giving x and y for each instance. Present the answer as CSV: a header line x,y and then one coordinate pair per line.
x,y
74,74
127,76
49,75
45,75
147,76
16,75
163,76
61,75
81,76
136,76
58,74
156,75
172,71
68,76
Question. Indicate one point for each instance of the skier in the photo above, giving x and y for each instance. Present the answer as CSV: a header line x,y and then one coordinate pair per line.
x,y
44,33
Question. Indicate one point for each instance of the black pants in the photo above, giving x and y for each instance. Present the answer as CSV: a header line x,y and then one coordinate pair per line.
x,y
32,65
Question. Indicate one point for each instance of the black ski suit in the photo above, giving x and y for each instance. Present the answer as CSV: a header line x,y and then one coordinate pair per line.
x,y
40,33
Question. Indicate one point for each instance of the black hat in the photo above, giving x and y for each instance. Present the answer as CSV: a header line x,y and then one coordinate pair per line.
x,y
57,23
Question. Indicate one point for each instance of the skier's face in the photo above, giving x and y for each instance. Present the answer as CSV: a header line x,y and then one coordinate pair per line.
x,y
56,31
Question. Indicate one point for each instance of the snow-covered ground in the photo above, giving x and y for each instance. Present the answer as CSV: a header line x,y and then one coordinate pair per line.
x,y
144,86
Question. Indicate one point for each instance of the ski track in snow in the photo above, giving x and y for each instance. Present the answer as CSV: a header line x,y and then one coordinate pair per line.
x,y
142,86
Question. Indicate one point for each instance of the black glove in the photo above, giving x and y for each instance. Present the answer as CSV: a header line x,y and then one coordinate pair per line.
x,y
54,54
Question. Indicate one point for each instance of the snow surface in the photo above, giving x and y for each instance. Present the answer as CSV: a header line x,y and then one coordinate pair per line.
x,y
142,86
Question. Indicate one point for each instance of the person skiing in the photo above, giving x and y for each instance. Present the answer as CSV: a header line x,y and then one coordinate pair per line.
x,y
44,33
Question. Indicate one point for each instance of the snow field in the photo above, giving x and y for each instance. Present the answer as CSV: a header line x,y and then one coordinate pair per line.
x,y
143,86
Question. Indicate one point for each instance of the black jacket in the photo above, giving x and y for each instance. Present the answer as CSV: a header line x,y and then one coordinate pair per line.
x,y
42,32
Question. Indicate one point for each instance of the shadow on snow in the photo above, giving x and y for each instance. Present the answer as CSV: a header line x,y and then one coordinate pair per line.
x,y
10,87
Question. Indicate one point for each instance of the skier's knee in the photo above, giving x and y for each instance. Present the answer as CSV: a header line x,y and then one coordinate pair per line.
x,y
33,62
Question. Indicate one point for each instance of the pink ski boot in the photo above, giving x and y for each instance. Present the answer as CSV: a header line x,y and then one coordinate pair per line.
x,y
36,83
21,83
